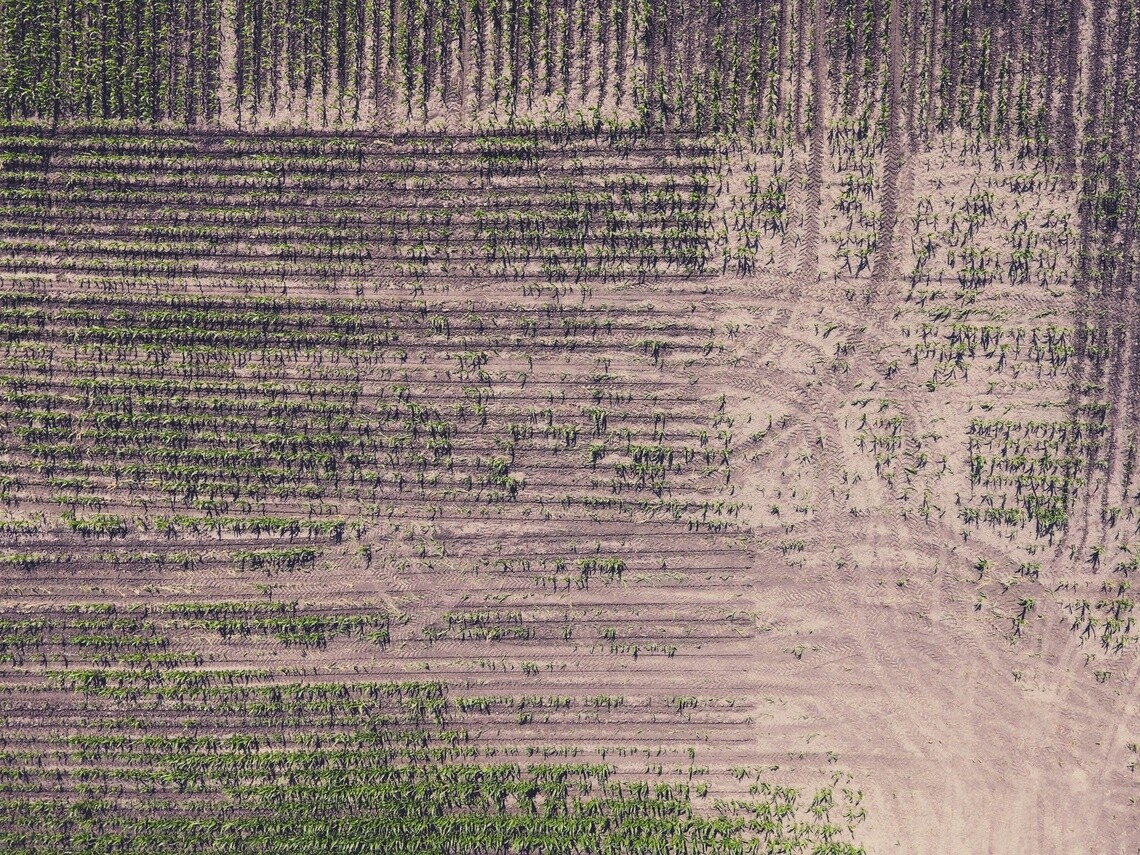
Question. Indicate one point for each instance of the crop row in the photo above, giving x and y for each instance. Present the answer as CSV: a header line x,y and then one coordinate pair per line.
x,y
319,755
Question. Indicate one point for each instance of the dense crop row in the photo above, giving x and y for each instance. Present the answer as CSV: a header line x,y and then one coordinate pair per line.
x,y
227,410
235,371
357,767
707,65
328,210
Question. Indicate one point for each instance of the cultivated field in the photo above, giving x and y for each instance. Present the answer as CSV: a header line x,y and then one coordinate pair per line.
x,y
539,426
